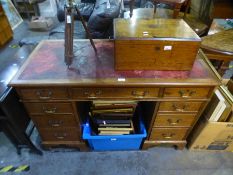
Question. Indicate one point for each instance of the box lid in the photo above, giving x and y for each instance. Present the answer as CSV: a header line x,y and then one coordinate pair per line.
x,y
176,29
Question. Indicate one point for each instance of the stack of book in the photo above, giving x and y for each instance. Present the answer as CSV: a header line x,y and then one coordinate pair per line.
x,y
113,117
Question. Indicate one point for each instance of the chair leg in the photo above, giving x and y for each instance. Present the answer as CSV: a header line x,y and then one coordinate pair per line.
x,y
155,7
176,10
187,5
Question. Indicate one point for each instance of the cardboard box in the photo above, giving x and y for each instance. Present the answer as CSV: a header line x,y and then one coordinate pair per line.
x,y
212,136
41,23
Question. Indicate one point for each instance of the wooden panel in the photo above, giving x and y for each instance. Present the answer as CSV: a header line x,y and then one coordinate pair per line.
x,y
49,108
43,93
174,120
222,9
186,92
168,133
61,134
92,93
156,55
54,121
179,106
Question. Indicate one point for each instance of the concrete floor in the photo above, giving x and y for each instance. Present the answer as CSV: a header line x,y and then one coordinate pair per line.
x,y
155,161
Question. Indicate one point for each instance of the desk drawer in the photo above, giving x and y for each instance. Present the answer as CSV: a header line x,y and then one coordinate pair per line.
x,y
54,121
176,106
43,93
174,120
92,93
168,133
61,134
186,92
49,108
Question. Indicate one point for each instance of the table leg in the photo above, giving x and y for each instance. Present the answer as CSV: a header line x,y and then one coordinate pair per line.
x,y
131,6
176,10
155,7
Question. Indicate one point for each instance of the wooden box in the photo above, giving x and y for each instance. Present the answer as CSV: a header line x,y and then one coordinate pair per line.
x,y
154,44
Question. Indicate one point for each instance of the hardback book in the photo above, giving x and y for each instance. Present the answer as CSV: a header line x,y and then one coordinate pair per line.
x,y
103,103
121,110
113,116
114,132
100,121
115,129
117,126
114,106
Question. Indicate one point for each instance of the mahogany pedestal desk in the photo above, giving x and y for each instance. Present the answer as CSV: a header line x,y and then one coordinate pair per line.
x,y
57,98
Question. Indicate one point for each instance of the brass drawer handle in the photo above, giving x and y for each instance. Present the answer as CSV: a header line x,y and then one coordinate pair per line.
x,y
46,97
174,122
182,109
139,94
186,94
60,136
93,94
49,111
168,136
55,123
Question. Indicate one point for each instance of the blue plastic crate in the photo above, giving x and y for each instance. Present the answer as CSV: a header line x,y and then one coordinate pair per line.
x,y
114,142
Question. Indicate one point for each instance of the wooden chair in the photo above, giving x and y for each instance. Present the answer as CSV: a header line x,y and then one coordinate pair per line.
x,y
175,4
219,47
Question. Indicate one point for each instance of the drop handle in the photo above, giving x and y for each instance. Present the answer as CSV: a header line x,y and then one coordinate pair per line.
x,y
140,94
179,109
174,122
55,123
93,94
49,111
60,136
186,94
44,97
168,136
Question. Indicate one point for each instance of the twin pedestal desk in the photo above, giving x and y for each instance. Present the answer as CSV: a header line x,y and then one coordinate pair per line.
x,y
57,98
